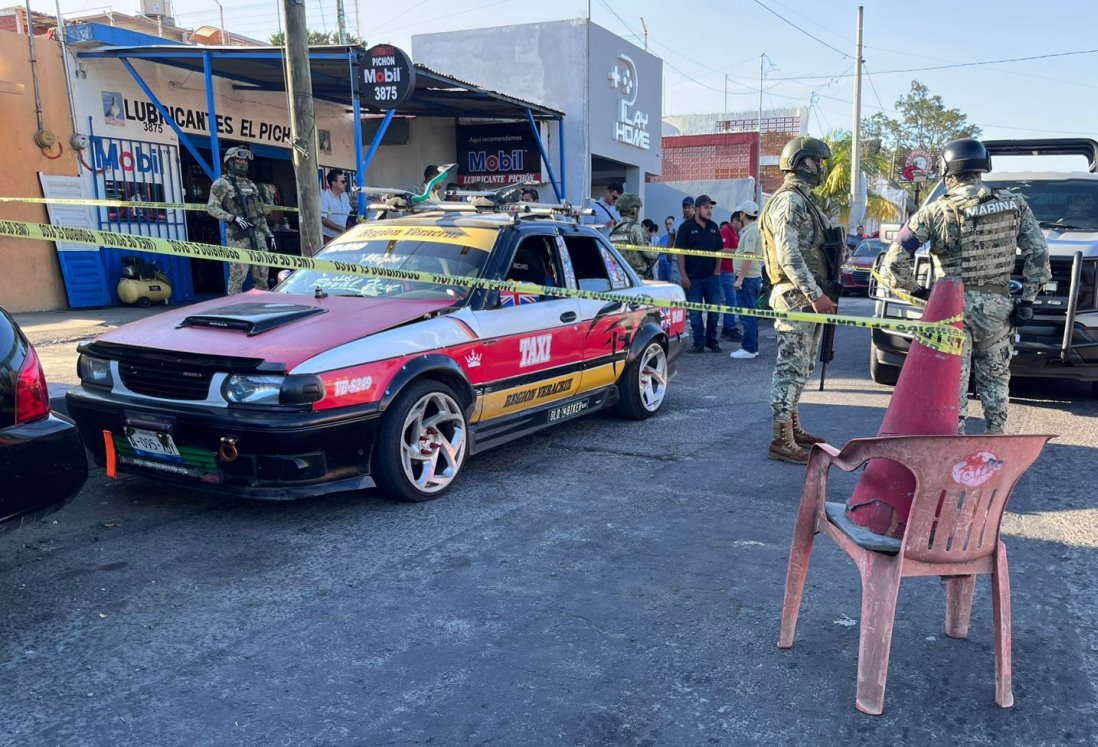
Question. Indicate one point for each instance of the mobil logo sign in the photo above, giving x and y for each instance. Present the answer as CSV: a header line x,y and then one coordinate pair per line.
x,y
498,153
483,162
129,157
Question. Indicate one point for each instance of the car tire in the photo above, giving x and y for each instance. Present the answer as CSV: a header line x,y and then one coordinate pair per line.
x,y
422,442
882,373
642,388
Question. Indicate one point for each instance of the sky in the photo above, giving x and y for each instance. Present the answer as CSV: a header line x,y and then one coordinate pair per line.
x,y
811,65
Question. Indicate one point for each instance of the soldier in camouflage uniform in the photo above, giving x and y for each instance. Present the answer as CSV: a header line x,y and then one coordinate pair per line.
x,y
629,231
793,230
973,232
246,224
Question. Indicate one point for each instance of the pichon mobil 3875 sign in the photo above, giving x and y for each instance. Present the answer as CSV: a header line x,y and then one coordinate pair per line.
x,y
387,77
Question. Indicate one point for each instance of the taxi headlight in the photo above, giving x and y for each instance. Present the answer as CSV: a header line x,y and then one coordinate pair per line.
x,y
94,371
266,389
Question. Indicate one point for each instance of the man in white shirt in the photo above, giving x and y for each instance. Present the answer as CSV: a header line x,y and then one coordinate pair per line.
x,y
606,214
335,205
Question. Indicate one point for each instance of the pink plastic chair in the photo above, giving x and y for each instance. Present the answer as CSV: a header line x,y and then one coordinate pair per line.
x,y
963,484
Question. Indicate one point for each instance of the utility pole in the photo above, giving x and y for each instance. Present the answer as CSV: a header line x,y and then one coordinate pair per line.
x,y
759,145
225,40
645,27
856,130
299,89
341,21
725,101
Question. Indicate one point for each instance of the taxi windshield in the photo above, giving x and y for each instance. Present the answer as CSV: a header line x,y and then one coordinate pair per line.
x,y
461,253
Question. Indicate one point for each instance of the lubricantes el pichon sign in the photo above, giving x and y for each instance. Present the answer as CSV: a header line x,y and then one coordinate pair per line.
x,y
387,77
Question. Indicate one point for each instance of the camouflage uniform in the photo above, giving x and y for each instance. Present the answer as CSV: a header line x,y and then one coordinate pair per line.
x,y
793,230
629,231
225,206
973,231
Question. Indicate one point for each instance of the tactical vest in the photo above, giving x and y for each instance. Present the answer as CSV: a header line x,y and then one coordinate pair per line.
x,y
987,228
253,207
813,256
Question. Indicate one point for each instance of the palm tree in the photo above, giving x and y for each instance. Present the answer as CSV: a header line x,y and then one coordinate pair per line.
x,y
834,194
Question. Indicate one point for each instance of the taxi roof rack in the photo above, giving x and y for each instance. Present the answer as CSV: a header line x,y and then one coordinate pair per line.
x,y
504,200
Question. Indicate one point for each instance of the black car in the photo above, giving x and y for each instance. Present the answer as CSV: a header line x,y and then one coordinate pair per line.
x,y
42,459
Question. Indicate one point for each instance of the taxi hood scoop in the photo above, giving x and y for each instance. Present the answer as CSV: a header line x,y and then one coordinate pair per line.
x,y
250,317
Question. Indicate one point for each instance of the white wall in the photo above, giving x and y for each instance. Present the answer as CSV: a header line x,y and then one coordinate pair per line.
x,y
430,140
543,63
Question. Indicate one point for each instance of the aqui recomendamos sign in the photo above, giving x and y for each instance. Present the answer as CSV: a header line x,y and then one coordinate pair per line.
x,y
387,77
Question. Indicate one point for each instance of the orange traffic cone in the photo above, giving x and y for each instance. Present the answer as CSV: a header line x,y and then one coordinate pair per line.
x,y
924,403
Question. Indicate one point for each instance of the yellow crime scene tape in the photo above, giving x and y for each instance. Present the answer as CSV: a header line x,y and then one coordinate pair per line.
x,y
937,335
197,206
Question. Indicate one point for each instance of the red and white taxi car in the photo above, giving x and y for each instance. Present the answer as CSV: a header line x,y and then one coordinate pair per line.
x,y
337,382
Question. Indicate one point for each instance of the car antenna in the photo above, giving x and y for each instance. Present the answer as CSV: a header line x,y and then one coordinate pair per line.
x,y
319,292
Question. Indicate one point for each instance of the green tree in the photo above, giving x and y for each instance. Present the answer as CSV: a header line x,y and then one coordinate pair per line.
x,y
317,38
833,196
924,123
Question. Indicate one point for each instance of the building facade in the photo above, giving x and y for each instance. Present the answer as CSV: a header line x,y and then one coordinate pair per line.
x,y
610,90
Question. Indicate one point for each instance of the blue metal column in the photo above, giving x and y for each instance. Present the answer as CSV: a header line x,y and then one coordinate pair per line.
x,y
563,169
211,105
356,112
544,155
167,118
374,145
215,145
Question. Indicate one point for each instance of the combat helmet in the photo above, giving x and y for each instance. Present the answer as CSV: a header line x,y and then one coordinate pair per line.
x,y
800,148
965,156
629,202
238,151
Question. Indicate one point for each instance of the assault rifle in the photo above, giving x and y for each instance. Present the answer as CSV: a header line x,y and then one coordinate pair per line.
x,y
833,248
244,210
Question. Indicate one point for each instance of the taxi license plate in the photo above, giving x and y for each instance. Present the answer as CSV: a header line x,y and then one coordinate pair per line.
x,y
152,443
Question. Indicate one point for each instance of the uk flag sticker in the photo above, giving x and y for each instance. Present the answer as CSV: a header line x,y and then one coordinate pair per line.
x,y
516,298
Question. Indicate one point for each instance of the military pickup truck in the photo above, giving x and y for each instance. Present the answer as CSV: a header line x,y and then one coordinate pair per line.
x,y
1062,340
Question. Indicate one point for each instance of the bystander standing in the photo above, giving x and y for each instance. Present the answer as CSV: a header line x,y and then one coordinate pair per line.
x,y
730,234
701,275
748,279
668,266
335,205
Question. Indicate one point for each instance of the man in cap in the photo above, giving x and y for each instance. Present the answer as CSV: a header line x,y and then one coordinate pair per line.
x,y
235,201
700,275
793,230
631,233
974,232
748,278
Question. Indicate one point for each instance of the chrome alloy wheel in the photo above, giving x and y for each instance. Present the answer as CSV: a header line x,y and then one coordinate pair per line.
x,y
433,442
653,377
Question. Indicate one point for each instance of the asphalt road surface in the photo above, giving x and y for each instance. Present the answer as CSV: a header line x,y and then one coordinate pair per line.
x,y
602,583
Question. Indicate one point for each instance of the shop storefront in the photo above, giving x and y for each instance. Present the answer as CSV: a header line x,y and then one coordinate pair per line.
x,y
159,117
134,154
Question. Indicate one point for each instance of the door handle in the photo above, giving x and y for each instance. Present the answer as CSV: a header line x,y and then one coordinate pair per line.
x,y
568,316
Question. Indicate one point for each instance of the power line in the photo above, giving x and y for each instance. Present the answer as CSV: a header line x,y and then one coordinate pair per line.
x,y
419,24
959,64
381,27
873,86
810,36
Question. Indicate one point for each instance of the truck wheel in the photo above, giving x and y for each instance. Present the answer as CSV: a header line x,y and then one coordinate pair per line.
x,y
882,373
643,387
422,442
